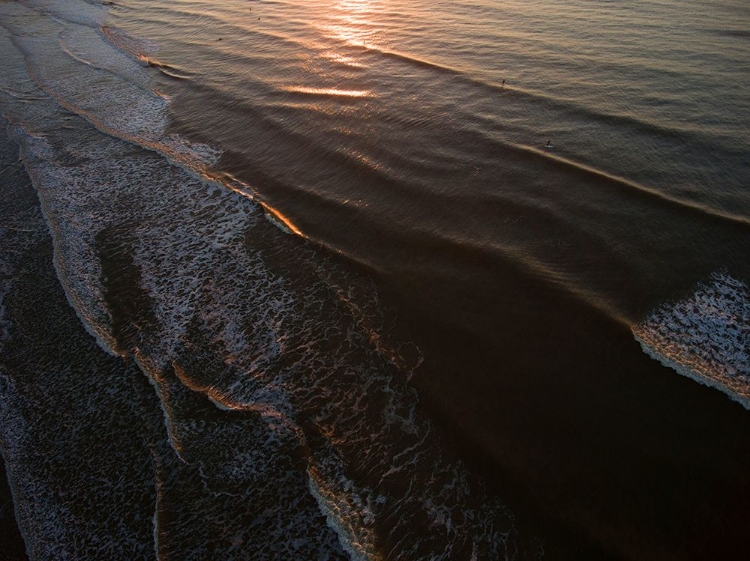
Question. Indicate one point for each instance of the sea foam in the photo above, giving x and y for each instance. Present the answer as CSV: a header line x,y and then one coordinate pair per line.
x,y
705,337
290,428
70,59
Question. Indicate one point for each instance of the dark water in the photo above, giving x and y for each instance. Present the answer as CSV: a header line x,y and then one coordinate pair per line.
x,y
11,542
348,302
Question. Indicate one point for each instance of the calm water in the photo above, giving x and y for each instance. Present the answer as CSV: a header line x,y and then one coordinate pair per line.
x,y
376,280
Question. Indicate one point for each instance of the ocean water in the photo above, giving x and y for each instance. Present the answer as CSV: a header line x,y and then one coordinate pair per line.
x,y
376,279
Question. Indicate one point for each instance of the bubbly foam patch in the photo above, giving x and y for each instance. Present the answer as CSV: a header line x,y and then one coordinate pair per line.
x,y
354,532
705,337
255,322
58,395
70,60
179,229
227,459
85,45
292,431
21,223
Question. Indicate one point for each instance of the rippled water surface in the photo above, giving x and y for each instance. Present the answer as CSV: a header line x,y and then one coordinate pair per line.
x,y
376,279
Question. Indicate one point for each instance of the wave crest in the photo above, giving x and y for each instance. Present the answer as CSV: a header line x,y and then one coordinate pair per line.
x,y
705,337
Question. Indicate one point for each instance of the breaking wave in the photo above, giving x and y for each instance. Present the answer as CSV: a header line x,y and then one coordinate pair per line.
x,y
288,427
705,337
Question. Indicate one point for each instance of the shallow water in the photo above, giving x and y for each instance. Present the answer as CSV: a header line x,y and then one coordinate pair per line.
x,y
397,273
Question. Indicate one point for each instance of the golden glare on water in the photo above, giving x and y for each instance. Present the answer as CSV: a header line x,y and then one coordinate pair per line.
x,y
333,92
353,21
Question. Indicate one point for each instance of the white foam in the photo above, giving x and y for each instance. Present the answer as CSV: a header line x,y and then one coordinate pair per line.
x,y
349,523
85,45
233,460
75,259
74,64
31,112
281,339
51,465
183,239
705,337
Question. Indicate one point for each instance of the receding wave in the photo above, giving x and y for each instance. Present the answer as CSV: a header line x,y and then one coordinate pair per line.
x,y
305,388
49,359
135,113
291,429
705,337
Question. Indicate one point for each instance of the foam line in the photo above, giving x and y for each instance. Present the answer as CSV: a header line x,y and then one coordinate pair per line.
x,y
705,337
231,312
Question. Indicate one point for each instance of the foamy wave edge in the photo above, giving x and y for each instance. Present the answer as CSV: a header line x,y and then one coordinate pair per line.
x,y
705,337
